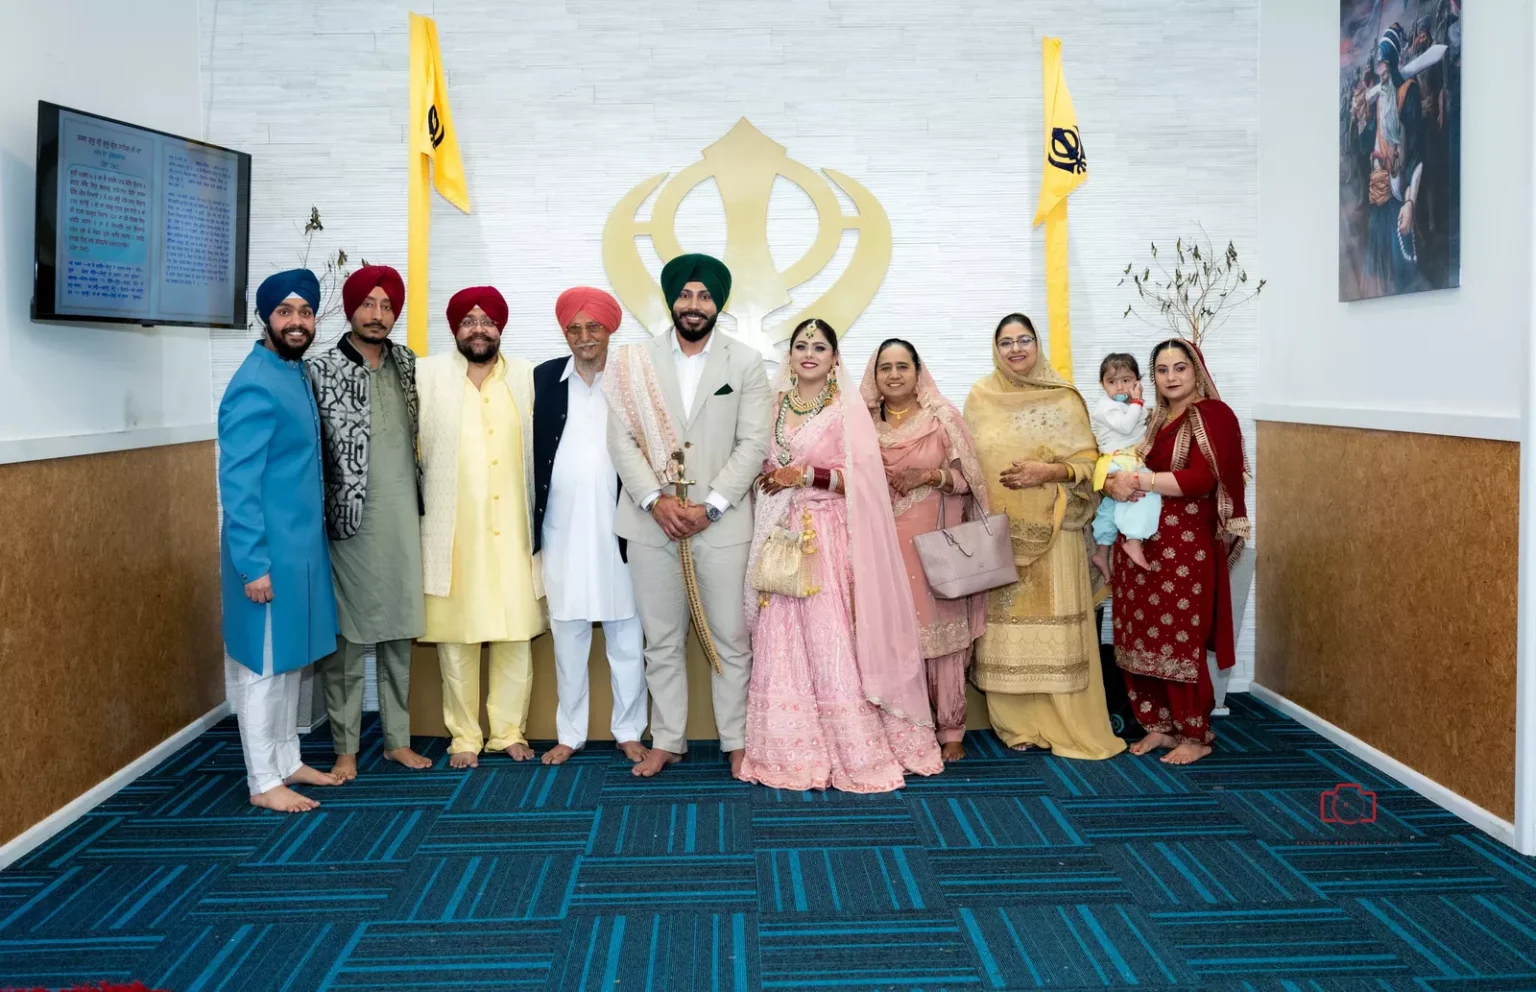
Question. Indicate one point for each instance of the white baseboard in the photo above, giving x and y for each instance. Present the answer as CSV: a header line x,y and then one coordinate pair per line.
x,y
29,840
1490,823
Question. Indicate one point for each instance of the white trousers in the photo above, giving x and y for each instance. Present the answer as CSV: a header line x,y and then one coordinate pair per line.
x,y
268,709
626,669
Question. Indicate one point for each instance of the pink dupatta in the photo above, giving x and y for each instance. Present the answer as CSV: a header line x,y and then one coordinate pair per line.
x,y
892,671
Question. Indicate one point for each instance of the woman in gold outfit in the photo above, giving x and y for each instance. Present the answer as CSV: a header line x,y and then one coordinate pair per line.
x,y
1038,661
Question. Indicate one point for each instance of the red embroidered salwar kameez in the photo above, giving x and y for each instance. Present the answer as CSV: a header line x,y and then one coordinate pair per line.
x,y
1167,618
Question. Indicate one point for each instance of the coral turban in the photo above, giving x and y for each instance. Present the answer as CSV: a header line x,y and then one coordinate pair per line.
x,y
696,268
593,302
362,282
278,287
487,298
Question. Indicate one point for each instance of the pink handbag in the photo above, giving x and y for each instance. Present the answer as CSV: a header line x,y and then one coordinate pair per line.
x,y
968,558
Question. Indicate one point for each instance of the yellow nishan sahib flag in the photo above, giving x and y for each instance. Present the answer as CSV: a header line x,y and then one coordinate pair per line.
x,y
1065,168
434,161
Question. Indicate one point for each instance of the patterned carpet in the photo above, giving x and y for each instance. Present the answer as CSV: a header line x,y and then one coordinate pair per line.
x,y
1011,871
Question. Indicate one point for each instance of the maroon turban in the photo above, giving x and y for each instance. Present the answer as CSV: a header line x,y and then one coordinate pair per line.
x,y
593,302
362,282
485,297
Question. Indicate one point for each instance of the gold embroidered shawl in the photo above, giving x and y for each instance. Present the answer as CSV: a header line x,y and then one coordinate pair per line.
x,y
1038,416
1040,636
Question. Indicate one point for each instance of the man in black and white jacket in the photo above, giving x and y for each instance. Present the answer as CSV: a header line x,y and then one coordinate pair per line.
x,y
365,388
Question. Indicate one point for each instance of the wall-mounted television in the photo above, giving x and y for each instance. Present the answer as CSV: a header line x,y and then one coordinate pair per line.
x,y
137,226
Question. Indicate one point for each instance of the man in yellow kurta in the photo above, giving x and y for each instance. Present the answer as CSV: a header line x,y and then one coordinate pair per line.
x,y
477,560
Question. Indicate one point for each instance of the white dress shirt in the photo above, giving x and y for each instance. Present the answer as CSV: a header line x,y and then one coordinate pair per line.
x,y
584,577
690,369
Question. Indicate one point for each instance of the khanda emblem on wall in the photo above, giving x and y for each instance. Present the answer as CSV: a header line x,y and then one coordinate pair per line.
x,y
744,164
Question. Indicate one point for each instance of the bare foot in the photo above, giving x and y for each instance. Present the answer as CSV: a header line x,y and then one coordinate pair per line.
x,y
654,761
1100,560
1134,553
464,759
633,750
311,776
952,751
737,757
405,756
284,800
1152,742
557,754
519,752
1186,753
345,767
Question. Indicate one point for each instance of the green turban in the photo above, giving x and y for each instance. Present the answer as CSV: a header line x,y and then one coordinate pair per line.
x,y
696,268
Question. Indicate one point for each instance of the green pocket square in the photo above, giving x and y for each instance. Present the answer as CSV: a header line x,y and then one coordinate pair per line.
x,y
724,390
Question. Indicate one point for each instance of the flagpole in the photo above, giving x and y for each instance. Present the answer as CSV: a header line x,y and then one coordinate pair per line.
x,y
1058,291
419,208
1065,167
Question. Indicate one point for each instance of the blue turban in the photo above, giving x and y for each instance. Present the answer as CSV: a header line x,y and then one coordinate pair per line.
x,y
277,288
1393,41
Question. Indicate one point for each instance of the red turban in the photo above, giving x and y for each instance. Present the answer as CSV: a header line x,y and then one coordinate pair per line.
x,y
362,282
485,297
593,302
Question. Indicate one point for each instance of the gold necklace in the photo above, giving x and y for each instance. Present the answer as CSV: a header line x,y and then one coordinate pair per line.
x,y
799,406
899,414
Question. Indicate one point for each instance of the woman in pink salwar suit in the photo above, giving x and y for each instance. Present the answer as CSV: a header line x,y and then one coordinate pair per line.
x,y
930,460
839,694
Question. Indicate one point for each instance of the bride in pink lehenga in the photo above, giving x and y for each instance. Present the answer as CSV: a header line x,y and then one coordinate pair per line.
x,y
839,692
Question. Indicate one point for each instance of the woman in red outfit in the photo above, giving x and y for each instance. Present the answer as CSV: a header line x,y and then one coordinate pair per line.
x,y
1168,616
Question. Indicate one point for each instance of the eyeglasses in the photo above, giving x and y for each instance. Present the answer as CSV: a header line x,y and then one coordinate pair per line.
x,y
470,323
1008,344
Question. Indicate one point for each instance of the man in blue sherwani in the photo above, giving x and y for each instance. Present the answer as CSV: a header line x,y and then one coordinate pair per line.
x,y
279,607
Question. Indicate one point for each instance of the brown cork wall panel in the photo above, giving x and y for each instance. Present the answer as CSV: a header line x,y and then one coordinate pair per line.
x,y
1386,594
109,617
427,694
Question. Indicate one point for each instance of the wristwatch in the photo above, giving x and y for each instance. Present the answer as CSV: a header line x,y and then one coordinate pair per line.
x,y
713,512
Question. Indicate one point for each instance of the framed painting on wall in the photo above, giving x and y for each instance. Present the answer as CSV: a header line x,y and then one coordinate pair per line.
x,y
1399,147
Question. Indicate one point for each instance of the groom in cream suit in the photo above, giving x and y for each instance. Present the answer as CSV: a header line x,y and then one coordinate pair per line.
x,y
716,408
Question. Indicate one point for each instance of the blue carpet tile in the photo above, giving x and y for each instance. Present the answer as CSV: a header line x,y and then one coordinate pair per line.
x,y
1010,871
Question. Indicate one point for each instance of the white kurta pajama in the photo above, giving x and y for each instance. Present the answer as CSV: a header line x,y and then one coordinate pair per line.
x,y
585,580
267,704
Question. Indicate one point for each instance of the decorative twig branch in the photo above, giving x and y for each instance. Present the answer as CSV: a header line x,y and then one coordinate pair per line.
x,y
1198,296
333,274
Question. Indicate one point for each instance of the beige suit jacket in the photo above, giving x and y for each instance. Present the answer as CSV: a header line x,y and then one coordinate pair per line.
x,y
726,434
